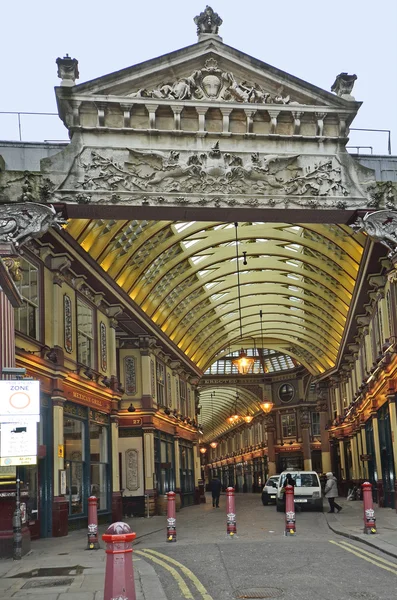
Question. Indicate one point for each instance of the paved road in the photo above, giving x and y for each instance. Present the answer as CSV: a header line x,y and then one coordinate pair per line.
x,y
262,563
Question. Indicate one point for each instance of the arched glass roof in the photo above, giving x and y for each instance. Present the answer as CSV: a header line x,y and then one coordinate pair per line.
x,y
184,276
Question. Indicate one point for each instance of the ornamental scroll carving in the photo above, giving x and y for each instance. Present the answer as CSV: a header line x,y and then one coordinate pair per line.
x,y
132,469
381,226
130,375
211,83
67,320
214,171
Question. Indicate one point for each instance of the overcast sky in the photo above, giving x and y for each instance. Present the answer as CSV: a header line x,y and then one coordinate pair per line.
x,y
311,39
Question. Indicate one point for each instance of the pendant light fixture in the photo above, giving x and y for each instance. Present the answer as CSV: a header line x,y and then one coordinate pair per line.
x,y
213,444
266,405
243,363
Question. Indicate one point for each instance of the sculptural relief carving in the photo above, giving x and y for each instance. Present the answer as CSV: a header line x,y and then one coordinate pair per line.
x,y
20,223
132,471
381,226
211,83
212,172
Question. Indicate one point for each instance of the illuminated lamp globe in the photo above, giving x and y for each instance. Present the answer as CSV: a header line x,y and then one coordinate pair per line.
x,y
243,363
213,445
203,450
248,418
267,406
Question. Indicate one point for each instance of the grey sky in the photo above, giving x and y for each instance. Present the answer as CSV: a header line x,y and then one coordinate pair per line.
x,y
313,40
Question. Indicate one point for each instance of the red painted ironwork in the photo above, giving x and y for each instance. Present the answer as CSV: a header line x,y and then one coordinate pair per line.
x,y
92,535
171,517
231,528
119,573
290,521
369,513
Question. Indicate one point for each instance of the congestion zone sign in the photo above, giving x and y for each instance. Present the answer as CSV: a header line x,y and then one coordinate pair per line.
x,y
19,401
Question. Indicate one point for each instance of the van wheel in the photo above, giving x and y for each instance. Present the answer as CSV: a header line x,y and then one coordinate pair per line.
x,y
265,502
279,507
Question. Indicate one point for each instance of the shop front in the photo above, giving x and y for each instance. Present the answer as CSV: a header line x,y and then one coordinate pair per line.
x,y
87,462
164,464
186,470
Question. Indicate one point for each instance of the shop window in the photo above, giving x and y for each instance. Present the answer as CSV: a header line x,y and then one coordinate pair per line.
x,y
85,334
73,432
316,430
27,316
99,464
288,425
160,383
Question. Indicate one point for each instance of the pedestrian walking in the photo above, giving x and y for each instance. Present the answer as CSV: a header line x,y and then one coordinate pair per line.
x,y
331,492
216,487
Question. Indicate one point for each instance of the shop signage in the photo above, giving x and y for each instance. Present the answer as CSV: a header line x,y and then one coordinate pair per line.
x,y
18,444
19,401
88,400
60,451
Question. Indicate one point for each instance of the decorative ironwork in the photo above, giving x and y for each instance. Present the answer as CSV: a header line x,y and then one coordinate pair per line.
x,y
98,417
130,375
104,349
169,389
67,323
74,410
152,379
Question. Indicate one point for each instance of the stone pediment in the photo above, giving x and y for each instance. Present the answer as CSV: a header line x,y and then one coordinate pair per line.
x,y
208,71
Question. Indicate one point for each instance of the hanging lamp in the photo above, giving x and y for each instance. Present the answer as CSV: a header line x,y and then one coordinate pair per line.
x,y
213,444
243,363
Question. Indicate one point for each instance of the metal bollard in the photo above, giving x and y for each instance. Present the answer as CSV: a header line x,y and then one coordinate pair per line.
x,y
369,513
231,528
92,535
290,521
119,574
171,517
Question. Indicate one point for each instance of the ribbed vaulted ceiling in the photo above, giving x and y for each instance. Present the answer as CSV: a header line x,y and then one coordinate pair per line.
x,y
184,276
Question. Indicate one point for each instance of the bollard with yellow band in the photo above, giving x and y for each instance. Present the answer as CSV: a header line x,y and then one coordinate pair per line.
x,y
369,513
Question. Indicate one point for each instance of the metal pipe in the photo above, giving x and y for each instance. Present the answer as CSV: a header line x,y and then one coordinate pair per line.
x,y
388,131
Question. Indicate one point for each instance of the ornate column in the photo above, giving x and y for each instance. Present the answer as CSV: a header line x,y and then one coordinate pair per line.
x,y
353,447
148,372
149,472
378,460
342,458
359,453
364,448
177,466
322,408
271,453
393,425
117,501
197,472
60,506
9,299
305,429
113,311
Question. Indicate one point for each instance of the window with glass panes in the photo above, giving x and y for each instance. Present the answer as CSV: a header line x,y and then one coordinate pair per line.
x,y
160,383
288,425
27,316
85,333
316,431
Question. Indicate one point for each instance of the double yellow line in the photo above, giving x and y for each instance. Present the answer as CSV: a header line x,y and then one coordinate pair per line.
x,y
165,561
387,565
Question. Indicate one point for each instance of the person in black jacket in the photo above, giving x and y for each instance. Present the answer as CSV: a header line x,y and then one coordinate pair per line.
x,y
216,487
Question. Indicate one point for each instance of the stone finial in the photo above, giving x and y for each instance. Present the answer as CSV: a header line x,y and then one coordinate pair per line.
x,y
68,70
343,85
208,23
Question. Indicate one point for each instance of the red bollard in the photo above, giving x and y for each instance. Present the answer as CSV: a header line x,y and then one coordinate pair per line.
x,y
290,525
171,517
92,541
119,574
231,528
369,513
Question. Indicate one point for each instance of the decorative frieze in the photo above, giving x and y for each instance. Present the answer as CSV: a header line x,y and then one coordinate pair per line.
x,y
130,375
103,346
67,323
132,469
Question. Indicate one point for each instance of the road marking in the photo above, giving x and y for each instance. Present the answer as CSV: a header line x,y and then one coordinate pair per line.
x,y
378,564
383,560
180,581
196,582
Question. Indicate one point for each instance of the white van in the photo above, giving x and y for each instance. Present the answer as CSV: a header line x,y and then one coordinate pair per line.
x,y
307,490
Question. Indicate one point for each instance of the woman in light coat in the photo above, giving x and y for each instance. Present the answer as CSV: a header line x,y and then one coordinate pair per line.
x,y
331,492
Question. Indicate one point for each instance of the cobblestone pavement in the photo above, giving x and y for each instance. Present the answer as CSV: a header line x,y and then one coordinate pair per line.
x,y
205,564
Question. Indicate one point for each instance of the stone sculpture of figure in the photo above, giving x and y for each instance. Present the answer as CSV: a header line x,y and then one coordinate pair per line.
x,y
208,21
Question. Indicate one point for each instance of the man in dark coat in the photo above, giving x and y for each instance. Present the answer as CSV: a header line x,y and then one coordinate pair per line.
x,y
216,487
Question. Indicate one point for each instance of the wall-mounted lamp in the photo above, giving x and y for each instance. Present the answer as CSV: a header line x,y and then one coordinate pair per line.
x,y
131,408
88,373
106,381
266,406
